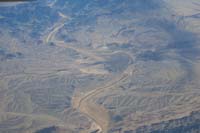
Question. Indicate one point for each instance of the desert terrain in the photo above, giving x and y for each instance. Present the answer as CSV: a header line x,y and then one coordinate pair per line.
x,y
96,66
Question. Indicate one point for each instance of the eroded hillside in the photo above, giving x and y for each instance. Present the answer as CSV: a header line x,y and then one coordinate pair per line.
x,y
95,66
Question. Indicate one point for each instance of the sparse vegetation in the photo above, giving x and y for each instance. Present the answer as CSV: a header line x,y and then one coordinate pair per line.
x,y
96,67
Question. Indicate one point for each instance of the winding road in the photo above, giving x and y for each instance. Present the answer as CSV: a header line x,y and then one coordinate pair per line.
x,y
85,103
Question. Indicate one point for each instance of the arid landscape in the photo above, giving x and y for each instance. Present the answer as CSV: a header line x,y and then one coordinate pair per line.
x,y
100,66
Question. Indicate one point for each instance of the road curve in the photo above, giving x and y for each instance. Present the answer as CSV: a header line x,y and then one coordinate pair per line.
x,y
85,103
97,113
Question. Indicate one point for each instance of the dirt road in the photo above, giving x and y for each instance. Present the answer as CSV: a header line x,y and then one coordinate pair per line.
x,y
86,103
